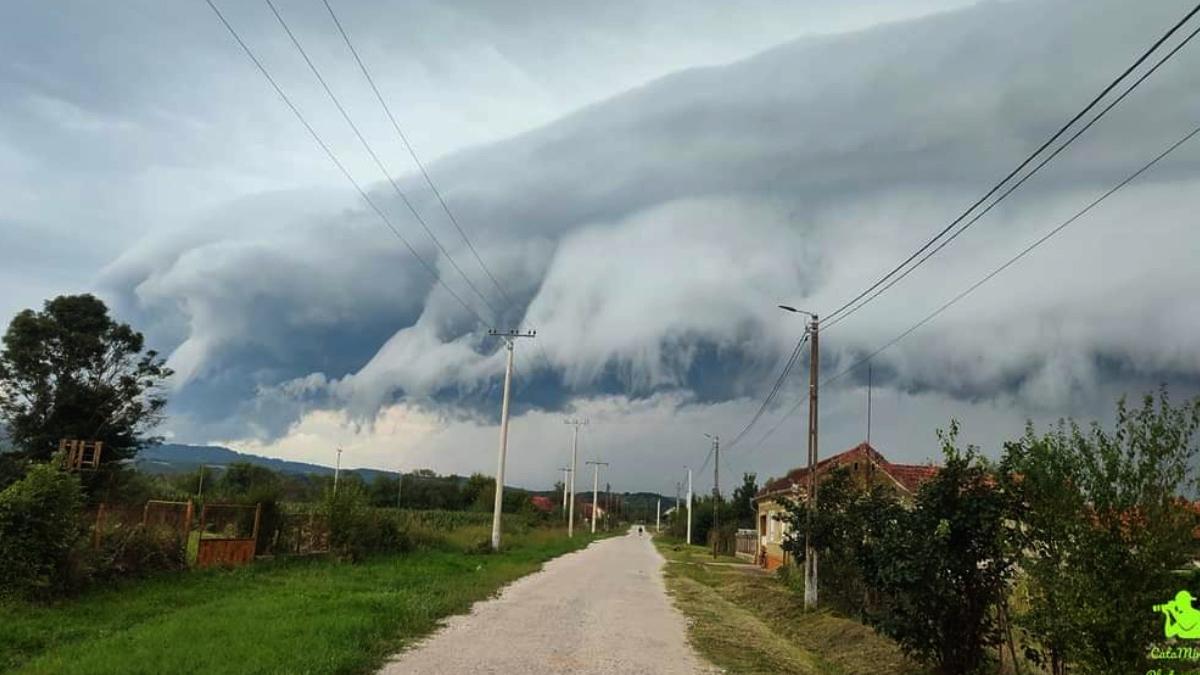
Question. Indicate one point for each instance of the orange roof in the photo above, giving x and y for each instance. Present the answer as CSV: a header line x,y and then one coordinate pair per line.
x,y
909,476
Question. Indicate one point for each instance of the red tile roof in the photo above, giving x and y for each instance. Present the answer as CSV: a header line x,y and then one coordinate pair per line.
x,y
542,503
909,476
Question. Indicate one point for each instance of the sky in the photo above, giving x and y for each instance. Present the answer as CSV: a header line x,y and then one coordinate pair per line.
x,y
645,182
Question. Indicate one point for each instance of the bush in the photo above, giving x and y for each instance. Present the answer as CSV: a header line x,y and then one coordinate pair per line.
x,y
356,530
139,551
39,528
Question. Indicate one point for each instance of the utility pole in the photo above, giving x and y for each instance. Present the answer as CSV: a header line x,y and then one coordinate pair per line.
x,y
595,489
574,465
716,529
810,500
658,517
810,552
399,487
868,404
689,507
337,470
566,472
510,337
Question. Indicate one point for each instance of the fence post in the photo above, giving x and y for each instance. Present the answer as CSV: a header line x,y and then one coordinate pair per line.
x,y
187,528
98,527
257,517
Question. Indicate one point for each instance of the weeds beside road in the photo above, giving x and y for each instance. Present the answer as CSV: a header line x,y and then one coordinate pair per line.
x,y
747,621
299,615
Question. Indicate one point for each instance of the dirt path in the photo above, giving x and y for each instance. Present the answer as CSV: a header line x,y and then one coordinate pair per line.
x,y
601,610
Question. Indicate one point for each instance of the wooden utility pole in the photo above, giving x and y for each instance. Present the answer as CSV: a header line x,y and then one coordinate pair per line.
x,y
509,337
716,528
810,552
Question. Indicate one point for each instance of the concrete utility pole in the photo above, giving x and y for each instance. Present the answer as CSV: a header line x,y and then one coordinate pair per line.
x,y
810,502
574,465
689,507
337,470
658,517
509,337
716,490
595,490
566,472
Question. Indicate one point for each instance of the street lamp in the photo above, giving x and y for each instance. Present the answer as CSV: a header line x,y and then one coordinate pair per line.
x,y
793,310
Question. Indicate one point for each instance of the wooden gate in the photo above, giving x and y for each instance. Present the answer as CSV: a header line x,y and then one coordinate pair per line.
x,y
228,546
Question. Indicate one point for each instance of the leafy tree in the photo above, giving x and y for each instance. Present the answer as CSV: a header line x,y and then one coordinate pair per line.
x,y
942,568
1104,525
384,490
479,492
244,478
839,532
742,501
71,371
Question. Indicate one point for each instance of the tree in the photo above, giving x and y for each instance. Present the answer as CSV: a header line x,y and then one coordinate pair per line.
x,y
71,371
479,492
942,568
742,502
839,531
1104,527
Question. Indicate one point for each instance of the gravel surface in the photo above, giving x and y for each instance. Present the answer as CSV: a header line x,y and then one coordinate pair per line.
x,y
600,610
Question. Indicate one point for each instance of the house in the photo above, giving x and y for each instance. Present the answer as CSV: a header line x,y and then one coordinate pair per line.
x,y
542,503
587,511
867,468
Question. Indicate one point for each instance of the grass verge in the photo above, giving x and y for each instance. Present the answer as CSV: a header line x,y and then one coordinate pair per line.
x,y
296,616
747,621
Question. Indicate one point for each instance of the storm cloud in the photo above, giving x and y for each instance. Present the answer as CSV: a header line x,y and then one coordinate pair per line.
x,y
648,235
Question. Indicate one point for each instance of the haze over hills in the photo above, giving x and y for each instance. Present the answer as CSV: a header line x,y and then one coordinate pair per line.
x,y
179,458
169,458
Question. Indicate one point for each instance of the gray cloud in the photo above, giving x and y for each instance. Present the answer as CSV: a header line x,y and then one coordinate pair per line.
x,y
649,235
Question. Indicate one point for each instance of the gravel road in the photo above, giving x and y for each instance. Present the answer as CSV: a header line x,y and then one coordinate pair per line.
x,y
600,610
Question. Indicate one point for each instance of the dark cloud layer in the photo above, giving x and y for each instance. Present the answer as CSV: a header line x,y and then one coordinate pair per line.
x,y
648,237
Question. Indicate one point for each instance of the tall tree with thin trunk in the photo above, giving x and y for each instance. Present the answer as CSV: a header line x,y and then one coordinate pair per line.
x,y
71,371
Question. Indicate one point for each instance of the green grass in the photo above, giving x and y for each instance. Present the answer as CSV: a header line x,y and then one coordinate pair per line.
x,y
296,616
748,621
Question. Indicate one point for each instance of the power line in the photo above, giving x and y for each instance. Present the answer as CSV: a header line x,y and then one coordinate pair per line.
x,y
998,186
1018,184
970,289
779,382
341,167
375,157
412,153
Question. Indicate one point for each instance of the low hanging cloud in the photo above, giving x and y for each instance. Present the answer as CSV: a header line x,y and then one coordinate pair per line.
x,y
649,236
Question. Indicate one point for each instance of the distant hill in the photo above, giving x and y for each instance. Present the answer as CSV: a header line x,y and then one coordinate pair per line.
x,y
177,458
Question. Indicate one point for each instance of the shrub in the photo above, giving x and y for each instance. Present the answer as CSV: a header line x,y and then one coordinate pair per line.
x,y
39,527
139,551
356,530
